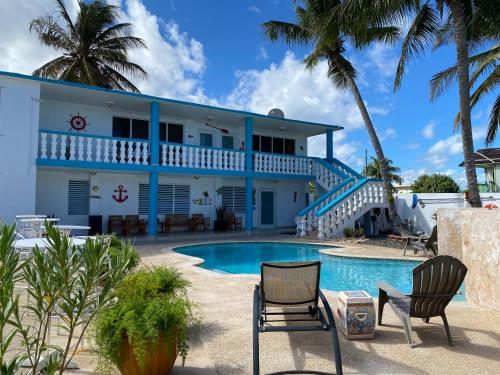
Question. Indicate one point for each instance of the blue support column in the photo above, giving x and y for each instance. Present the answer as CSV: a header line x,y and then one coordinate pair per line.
x,y
154,152
249,169
153,203
329,144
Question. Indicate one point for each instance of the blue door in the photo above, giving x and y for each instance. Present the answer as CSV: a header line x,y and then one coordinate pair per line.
x,y
267,208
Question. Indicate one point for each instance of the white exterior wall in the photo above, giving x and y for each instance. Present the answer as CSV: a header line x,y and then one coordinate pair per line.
x,y
52,195
19,113
54,115
423,216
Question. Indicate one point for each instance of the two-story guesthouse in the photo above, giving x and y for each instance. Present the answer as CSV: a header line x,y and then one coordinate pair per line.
x,y
74,151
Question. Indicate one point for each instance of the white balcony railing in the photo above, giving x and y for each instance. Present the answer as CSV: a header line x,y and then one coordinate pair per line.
x,y
282,164
197,157
91,148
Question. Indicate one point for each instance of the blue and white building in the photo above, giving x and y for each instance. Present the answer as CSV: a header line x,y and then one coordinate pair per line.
x,y
74,150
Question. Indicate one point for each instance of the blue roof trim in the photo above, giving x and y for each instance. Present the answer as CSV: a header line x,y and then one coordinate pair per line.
x,y
159,99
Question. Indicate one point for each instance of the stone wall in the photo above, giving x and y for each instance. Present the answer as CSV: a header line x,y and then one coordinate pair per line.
x,y
473,235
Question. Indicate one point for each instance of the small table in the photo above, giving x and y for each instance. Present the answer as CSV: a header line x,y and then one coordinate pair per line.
x,y
66,229
42,243
356,311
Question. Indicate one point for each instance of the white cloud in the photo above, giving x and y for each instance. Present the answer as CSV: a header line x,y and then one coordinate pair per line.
x,y
383,59
20,51
412,146
440,152
255,9
389,133
298,92
174,61
262,54
346,151
428,131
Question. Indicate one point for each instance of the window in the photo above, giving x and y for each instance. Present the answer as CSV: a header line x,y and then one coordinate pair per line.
x,y
130,128
233,199
206,139
290,146
171,199
278,145
78,197
228,142
140,129
266,144
121,127
173,133
256,142
273,145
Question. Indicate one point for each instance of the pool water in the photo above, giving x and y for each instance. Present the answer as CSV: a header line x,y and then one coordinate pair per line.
x,y
337,272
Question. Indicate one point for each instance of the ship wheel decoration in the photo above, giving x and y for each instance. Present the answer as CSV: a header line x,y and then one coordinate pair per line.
x,y
78,122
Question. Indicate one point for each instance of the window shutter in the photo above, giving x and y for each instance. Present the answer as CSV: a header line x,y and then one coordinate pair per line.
x,y
171,199
182,197
233,199
165,199
239,200
78,197
143,199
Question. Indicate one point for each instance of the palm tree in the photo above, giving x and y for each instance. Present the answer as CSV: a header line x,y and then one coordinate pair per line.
x,y
484,64
373,170
468,21
319,24
94,46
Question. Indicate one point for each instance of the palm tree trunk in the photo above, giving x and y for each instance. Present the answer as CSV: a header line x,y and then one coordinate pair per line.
x,y
375,142
462,51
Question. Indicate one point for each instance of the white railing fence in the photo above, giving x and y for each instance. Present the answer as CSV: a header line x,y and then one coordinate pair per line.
x,y
282,164
186,156
350,208
79,147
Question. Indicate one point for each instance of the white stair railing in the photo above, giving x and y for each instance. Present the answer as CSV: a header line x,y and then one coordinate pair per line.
x,y
347,208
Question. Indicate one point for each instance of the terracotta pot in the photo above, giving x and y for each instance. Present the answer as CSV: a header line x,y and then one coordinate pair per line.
x,y
159,362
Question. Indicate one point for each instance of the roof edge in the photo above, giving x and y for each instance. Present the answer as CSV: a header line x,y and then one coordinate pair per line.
x,y
161,99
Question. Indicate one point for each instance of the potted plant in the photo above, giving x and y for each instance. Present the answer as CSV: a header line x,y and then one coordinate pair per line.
x,y
144,330
220,221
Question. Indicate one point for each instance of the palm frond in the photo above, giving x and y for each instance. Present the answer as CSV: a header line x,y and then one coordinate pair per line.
x,y
53,69
51,34
290,33
494,121
341,71
442,81
383,34
65,15
419,36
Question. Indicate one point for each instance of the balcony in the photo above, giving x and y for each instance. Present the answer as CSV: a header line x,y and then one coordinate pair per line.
x,y
102,152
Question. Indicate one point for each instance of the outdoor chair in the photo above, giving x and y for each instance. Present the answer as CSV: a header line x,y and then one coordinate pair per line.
x,y
197,222
435,282
115,222
426,243
133,222
233,222
291,290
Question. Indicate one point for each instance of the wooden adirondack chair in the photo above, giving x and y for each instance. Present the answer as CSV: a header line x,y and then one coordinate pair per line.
x,y
426,244
435,282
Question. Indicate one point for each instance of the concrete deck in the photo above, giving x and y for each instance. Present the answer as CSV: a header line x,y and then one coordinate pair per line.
x,y
222,344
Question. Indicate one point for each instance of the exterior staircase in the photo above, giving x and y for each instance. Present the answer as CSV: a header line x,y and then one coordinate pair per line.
x,y
348,197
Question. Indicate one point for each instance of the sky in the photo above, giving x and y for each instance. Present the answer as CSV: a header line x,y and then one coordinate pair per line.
x,y
214,52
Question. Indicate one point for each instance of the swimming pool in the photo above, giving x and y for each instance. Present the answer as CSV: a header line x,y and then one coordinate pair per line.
x,y
337,272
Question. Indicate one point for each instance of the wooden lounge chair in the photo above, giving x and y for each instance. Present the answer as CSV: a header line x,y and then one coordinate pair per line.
x,y
115,222
291,289
426,243
435,282
133,222
176,221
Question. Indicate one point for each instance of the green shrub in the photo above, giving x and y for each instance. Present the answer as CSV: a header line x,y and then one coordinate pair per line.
x,y
118,247
348,232
359,232
151,302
